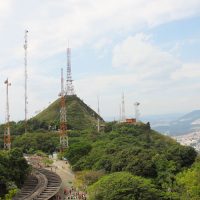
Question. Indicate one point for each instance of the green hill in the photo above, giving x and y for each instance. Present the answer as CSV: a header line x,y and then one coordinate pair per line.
x,y
79,115
128,162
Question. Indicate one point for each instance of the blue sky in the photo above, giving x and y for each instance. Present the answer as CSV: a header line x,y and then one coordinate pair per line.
x,y
147,48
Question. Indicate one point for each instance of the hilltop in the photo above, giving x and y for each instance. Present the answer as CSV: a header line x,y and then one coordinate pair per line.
x,y
79,115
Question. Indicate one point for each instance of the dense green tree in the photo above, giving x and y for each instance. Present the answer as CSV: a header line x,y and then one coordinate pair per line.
x,y
76,151
188,183
13,170
31,142
123,186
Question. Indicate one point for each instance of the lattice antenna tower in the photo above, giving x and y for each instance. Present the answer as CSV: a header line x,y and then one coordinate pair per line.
x,y
98,120
7,141
120,112
69,81
63,117
123,109
26,77
137,112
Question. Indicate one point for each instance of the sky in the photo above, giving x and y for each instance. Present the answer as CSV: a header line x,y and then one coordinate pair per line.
x,y
148,49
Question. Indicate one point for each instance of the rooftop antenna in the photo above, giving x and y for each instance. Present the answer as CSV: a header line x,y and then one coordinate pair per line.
x,y
69,81
137,112
7,141
26,77
98,120
63,117
123,109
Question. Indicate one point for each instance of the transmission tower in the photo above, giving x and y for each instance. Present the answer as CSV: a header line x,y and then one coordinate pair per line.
x,y
63,117
120,112
98,120
123,109
69,84
7,141
137,112
26,77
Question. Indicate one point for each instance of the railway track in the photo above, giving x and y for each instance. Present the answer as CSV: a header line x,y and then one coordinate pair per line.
x,y
41,185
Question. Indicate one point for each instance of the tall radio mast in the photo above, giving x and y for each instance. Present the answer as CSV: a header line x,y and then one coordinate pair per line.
x,y
7,141
69,84
26,77
63,117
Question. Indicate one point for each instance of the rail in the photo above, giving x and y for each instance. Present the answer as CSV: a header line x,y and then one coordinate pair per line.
x,y
42,184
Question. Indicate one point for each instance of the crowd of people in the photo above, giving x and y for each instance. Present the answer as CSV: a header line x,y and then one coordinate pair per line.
x,y
71,193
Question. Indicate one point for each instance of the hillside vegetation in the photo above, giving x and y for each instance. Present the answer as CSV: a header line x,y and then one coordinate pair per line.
x,y
124,162
152,160
13,171
79,115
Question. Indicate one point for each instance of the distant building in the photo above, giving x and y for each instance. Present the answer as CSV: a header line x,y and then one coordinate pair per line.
x,y
130,121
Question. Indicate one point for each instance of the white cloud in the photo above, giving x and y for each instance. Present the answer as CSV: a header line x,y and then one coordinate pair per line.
x,y
139,55
188,70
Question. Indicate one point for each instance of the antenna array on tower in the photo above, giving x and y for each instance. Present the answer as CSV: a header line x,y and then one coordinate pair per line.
x,y
69,84
7,141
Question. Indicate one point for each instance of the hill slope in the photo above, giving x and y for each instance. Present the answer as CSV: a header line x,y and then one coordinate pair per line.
x,y
124,148
79,115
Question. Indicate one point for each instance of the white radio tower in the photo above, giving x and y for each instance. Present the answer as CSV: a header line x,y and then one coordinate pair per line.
x,y
69,85
137,112
123,109
26,77
120,112
63,117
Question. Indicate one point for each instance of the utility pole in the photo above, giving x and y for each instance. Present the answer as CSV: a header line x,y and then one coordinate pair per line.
x,y
120,113
98,120
69,82
63,117
7,141
26,77
123,109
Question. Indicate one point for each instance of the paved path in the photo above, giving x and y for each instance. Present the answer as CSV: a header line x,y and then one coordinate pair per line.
x,y
67,177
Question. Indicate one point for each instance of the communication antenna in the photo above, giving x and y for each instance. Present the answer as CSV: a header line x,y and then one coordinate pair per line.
x,y
123,109
63,117
7,141
137,112
120,113
26,77
69,81
98,120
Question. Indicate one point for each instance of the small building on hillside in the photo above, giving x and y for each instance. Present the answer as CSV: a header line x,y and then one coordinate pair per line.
x,y
130,121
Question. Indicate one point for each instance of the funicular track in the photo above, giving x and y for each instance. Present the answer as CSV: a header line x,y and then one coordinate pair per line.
x,y
42,184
